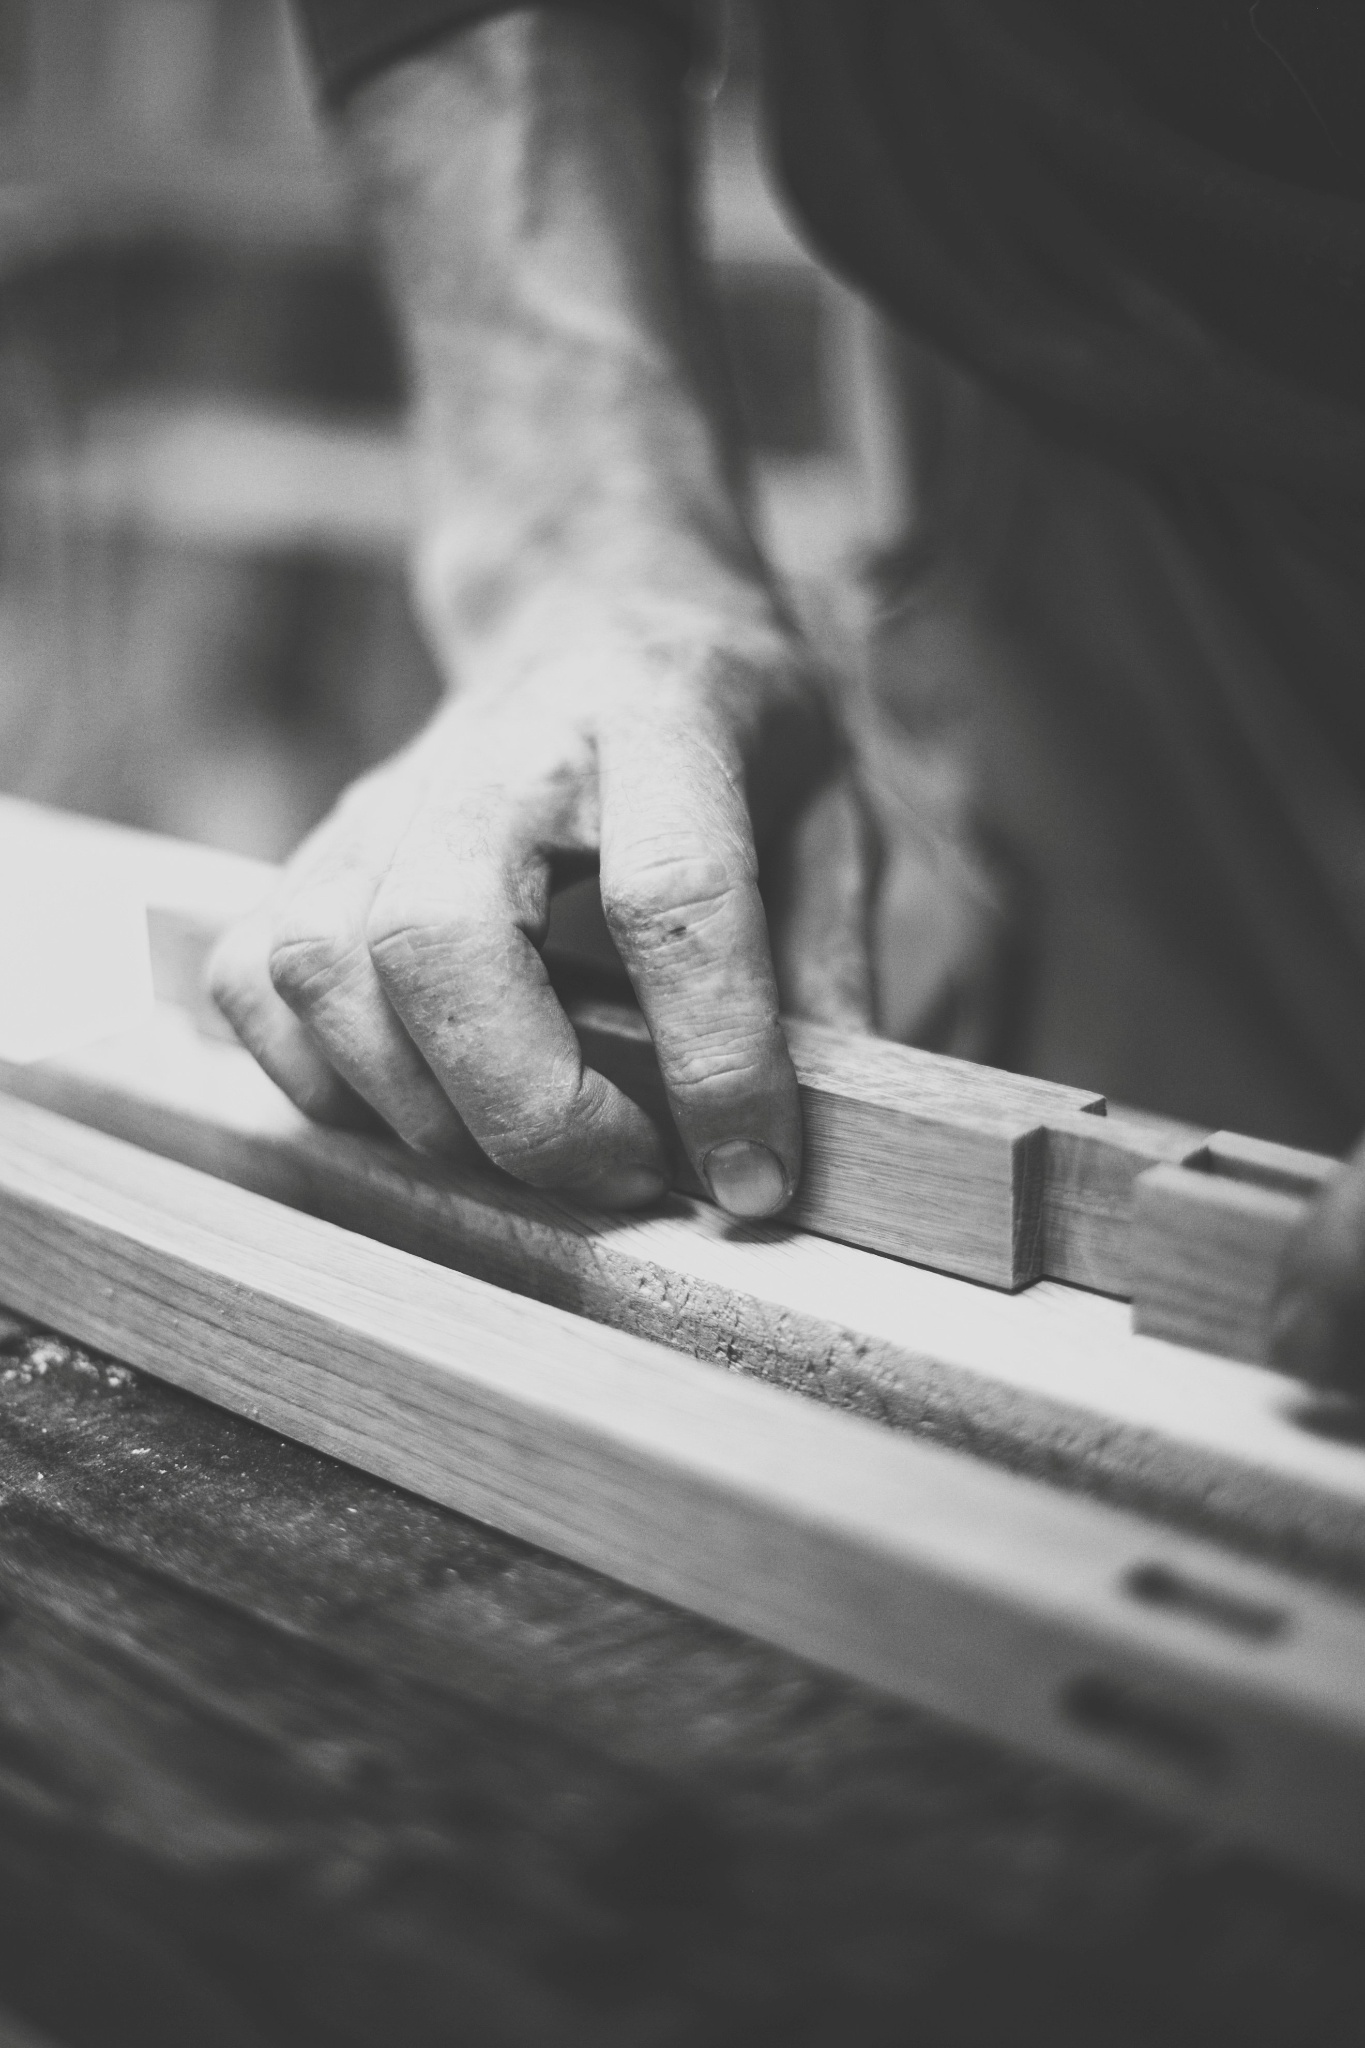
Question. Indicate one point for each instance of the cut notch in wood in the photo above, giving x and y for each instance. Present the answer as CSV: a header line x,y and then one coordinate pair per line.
x,y
1209,1237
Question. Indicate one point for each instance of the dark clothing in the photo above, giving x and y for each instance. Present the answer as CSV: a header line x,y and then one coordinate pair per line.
x,y
1016,199
1143,223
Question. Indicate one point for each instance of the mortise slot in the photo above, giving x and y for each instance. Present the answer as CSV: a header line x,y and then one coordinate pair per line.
x,y
1277,1169
1164,1734
1158,1585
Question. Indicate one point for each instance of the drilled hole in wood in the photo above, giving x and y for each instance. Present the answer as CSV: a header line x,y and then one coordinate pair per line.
x,y
1157,1585
1163,1734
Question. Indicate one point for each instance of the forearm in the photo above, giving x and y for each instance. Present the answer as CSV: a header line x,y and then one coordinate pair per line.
x,y
528,184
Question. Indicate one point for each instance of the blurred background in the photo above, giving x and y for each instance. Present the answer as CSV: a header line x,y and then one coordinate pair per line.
x,y
203,479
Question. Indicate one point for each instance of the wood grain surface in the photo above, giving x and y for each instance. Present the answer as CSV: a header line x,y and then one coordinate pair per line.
x,y
1163,1666
292,1759
1091,1169
1051,1381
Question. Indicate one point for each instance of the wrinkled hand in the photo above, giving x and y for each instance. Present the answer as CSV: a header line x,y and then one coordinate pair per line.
x,y
400,960
1318,1331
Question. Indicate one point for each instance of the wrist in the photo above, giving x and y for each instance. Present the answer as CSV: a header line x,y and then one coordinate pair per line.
x,y
587,552
590,612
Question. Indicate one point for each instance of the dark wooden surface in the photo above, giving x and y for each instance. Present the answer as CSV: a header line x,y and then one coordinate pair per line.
x,y
287,1756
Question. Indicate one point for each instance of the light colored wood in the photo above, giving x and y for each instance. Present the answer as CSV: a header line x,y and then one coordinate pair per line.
x,y
928,1158
1224,1691
206,886
1205,1255
1051,1380
1092,1166
180,944
1256,1161
1208,1239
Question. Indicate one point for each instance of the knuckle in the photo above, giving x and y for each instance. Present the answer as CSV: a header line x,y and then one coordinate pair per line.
x,y
401,930
307,960
668,899
407,927
708,1065
395,920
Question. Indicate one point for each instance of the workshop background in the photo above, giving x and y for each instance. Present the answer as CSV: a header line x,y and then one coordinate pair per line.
x,y
203,623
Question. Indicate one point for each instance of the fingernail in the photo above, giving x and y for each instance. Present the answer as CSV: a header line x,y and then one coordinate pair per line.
x,y
745,1178
625,1187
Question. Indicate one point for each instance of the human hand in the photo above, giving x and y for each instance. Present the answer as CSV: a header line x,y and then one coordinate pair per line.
x,y
399,961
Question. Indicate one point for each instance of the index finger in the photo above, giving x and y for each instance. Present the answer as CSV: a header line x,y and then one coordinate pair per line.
x,y
680,893
451,935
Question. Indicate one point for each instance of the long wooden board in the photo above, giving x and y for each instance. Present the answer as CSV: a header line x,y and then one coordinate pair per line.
x,y
1051,1381
1224,1691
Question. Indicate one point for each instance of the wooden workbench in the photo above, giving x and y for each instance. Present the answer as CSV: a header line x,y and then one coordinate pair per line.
x,y
290,1757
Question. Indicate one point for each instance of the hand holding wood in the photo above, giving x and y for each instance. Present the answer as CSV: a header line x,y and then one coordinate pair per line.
x,y
399,962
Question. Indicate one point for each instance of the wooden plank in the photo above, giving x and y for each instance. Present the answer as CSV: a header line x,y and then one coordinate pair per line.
x,y
206,885
1208,1239
1257,1162
1051,1380
1224,1691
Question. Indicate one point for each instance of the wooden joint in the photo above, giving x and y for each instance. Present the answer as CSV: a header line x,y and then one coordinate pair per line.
x,y
1209,1237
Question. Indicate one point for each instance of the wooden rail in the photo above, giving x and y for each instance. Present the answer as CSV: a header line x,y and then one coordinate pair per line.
x,y
1051,1380
1228,1692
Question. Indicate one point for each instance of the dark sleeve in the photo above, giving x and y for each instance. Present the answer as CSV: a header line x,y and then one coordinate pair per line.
x,y
351,39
